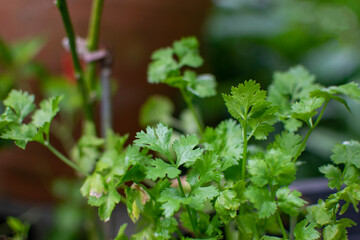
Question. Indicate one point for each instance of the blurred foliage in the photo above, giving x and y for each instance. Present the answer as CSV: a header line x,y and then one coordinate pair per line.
x,y
251,39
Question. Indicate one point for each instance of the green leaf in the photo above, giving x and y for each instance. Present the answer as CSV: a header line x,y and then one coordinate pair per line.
x,y
135,200
43,116
205,170
159,169
20,228
205,193
21,103
347,153
351,175
185,152
94,186
163,66
106,202
288,87
306,108
333,174
262,201
21,134
202,86
171,199
351,90
275,168
165,228
156,109
187,51
121,233
289,201
306,231
245,100
247,103
156,139
288,142
336,231
320,213
351,194
226,141
227,204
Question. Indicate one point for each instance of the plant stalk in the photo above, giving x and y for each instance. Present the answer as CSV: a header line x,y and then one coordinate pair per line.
x,y
297,155
192,109
244,159
93,40
283,231
64,159
79,75
193,221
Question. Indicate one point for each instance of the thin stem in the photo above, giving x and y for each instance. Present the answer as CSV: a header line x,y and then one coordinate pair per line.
x,y
244,159
93,39
297,155
193,221
293,221
192,109
79,75
281,225
64,159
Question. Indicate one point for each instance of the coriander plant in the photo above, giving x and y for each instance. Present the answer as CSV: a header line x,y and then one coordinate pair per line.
x,y
181,182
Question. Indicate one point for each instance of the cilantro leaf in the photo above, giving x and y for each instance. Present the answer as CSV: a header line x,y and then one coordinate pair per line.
x,y
289,201
21,134
156,139
165,227
247,103
121,233
288,87
245,100
185,152
333,174
187,51
226,141
94,186
274,168
351,194
288,142
262,201
106,203
347,152
320,213
204,170
163,66
306,231
202,86
227,204
159,169
43,116
306,108
21,103
171,199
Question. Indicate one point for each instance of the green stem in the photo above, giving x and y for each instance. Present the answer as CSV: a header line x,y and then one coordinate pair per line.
x,y
79,75
93,39
281,225
193,221
300,149
192,109
293,221
64,159
245,144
